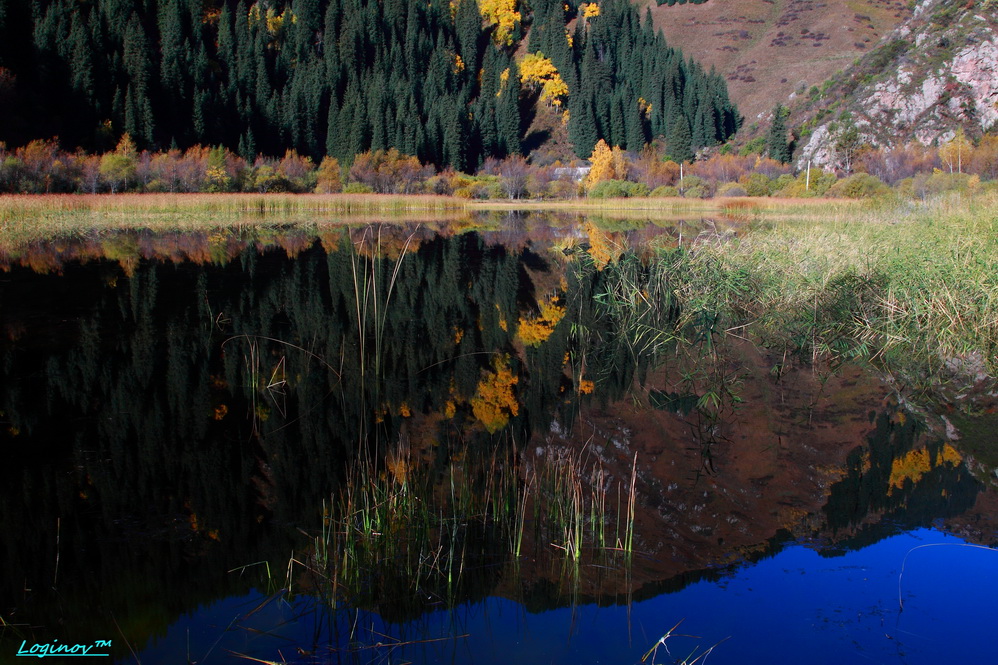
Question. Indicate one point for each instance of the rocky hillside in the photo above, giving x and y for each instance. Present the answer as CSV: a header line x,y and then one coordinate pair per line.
x,y
935,73
768,49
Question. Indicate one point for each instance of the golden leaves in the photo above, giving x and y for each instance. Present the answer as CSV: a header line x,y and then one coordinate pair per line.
x,y
916,463
606,164
536,69
494,401
503,15
503,82
533,330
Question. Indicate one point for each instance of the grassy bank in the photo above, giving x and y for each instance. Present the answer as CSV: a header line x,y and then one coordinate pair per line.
x,y
26,217
113,209
102,208
910,287
906,283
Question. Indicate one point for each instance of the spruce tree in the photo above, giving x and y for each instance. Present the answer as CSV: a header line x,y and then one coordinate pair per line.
x,y
680,143
508,112
468,26
634,124
776,141
336,76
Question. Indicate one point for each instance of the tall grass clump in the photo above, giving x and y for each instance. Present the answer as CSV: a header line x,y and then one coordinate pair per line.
x,y
579,508
408,533
910,286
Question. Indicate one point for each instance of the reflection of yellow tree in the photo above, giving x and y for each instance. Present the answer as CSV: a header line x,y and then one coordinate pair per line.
x,y
494,401
535,329
601,249
917,463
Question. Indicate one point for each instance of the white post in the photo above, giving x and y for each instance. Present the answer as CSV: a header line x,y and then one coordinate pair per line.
x,y
807,179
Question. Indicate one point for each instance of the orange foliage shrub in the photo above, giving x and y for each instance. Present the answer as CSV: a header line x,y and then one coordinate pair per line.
x,y
389,172
535,329
654,171
494,401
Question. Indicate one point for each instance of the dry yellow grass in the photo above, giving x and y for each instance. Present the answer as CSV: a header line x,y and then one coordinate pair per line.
x,y
28,204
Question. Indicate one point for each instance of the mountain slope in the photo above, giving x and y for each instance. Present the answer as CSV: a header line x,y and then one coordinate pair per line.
x,y
935,74
768,49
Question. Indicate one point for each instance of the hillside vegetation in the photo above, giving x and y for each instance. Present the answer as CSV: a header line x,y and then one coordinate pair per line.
x,y
451,83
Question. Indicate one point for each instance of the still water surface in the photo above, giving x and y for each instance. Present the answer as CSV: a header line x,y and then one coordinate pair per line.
x,y
193,424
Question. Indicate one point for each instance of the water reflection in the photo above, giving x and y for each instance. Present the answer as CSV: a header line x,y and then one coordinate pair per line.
x,y
182,405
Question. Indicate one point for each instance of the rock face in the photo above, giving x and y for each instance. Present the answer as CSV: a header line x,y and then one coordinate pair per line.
x,y
935,73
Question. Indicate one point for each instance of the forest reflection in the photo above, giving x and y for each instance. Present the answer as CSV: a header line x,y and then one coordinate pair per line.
x,y
178,406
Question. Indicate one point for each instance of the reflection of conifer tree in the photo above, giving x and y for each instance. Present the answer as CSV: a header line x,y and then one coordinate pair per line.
x,y
134,396
867,487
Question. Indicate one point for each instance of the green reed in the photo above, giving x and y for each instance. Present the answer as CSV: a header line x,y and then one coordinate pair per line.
x,y
911,288
422,532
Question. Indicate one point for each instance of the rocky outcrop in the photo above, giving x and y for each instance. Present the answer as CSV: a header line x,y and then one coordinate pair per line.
x,y
935,73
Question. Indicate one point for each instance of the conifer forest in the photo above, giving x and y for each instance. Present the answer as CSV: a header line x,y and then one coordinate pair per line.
x,y
452,83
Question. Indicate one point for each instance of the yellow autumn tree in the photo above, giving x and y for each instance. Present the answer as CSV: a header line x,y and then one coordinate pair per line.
x,y
538,70
619,159
956,152
328,179
601,164
118,168
504,16
606,164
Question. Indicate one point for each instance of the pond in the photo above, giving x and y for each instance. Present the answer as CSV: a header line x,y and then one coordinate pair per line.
x,y
468,443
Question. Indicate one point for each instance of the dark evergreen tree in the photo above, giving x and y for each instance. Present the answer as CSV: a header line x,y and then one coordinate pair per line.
x,y
337,76
508,112
680,144
776,141
468,26
635,125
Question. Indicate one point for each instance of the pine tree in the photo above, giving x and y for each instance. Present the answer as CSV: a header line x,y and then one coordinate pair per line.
x,y
635,124
337,76
680,140
468,26
508,111
776,141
